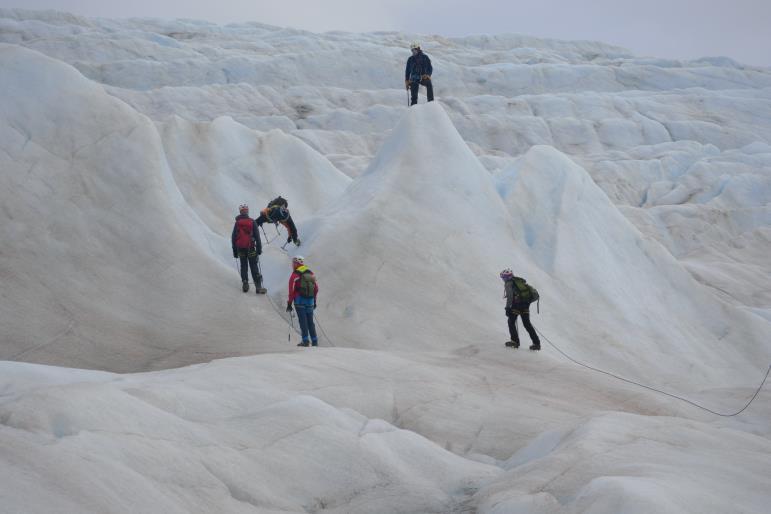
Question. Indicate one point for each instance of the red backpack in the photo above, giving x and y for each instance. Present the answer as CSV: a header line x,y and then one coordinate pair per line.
x,y
244,227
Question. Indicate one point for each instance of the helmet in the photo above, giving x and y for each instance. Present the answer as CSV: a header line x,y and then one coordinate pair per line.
x,y
507,274
414,45
243,208
298,260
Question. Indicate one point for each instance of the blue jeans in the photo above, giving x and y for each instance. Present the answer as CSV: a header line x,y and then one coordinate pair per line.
x,y
304,308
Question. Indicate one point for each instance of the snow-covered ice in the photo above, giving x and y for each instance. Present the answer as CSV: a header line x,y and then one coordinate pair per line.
x,y
137,377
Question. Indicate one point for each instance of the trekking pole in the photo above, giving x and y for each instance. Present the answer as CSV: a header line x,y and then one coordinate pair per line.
x,y
290,325
408,96
267,239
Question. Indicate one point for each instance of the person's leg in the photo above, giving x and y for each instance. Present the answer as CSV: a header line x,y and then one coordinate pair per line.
x,y
429,89
244,269
303,319
312,327
414,85
255,271
513,328
530,330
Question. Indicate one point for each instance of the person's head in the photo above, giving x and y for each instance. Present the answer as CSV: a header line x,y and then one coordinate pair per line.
x,y
506,274
243,209
415,47
297,261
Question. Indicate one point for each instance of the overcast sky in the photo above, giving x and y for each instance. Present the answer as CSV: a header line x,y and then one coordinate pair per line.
x,y
740,29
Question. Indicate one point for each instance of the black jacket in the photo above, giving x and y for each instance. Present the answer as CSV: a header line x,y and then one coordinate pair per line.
x,y
267,215
417,66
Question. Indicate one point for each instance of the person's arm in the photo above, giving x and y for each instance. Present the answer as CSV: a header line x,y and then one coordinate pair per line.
x,y
256,236
291,293
429,68
262,219
407,69
233,239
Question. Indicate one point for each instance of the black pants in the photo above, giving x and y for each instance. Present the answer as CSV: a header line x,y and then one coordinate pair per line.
x,y
249,259
414,85
525,321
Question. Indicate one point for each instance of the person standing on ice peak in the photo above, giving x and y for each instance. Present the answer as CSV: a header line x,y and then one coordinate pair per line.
x,y
303,291
418,73
277,211
519,295
247,247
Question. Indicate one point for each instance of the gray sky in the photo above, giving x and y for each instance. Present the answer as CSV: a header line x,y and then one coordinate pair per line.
x,y
740,29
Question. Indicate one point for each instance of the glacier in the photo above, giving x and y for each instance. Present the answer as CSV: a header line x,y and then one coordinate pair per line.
x,y
633,192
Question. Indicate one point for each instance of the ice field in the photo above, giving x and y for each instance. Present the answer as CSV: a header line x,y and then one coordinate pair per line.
x,y
135,376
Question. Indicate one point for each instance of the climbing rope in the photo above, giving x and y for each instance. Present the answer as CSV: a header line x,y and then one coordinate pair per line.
x,y
291,316
316,319
722,414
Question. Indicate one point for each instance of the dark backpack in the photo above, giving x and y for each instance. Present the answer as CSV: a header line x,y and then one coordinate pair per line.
x,y
524,292
278,214
281,202
307,288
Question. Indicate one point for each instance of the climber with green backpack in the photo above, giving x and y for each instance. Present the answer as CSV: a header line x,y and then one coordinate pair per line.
x,y
303,290
519,295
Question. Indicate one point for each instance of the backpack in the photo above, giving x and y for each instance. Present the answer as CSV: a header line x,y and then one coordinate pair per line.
x,y
278,214
524,292
244,227
307,288
281,202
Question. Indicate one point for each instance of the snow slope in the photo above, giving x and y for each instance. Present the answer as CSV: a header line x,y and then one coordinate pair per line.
x,y
104,262
632,192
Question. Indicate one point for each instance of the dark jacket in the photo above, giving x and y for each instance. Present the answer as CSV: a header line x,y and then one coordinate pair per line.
x,y
239,237
417,66
269,214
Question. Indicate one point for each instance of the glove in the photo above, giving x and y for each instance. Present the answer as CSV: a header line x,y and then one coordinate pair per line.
x,y
235,254
288,306
425,77
407,83
288,239
507,311
297,242
315,305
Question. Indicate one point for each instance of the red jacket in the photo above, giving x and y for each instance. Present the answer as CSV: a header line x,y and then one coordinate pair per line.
x,y
294,283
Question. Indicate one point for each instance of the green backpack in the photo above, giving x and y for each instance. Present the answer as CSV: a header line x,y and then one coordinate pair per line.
x,y
307,287
524,292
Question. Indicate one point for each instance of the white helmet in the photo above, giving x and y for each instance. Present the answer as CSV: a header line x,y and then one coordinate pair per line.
x,y
298,260
414,45
507,274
